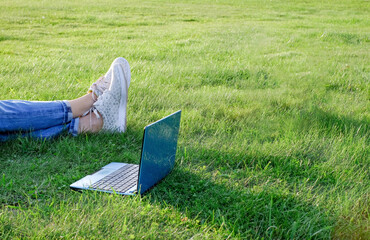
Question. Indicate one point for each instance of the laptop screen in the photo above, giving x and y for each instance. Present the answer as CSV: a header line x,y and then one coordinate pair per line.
x,y
158,151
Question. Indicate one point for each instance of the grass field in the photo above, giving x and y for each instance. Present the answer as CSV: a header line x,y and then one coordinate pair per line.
x,y
274,140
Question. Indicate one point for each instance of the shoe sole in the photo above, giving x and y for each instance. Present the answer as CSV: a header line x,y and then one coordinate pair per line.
x,y
122,120
125,66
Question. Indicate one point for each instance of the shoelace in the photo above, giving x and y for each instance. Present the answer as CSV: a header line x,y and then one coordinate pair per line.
x,y
90,112
95,111
97,91
99,87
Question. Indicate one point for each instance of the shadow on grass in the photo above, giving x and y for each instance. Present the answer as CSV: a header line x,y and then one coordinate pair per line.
x,y
261,212
249,208
43,170
330,122
243,212
300,165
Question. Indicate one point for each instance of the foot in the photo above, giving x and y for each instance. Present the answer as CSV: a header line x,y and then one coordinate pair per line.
x,y
103,83
112,103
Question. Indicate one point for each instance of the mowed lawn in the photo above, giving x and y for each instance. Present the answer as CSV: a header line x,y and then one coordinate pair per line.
x,y
274,139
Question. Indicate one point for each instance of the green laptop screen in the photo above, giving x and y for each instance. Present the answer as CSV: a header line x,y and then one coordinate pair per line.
x,y
159,150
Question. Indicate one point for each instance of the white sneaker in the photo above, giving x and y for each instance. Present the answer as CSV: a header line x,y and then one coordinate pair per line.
x,y
103,83
112,104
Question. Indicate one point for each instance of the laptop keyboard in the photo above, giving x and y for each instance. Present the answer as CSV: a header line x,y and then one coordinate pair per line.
x,y
121,180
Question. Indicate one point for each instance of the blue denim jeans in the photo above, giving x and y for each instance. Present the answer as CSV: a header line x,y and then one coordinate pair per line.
x,y
42,120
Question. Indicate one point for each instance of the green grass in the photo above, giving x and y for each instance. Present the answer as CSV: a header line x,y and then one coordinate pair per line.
x,y
274,140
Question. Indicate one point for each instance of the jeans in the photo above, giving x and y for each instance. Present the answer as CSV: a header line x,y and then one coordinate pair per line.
x,y
36,119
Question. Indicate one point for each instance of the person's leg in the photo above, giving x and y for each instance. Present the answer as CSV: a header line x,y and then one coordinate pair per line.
x,y
48,119
81,105
89,123
50,113
19,115
71,127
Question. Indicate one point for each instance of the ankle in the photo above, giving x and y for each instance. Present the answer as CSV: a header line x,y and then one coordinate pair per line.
x,y
81,105
90,123
93,95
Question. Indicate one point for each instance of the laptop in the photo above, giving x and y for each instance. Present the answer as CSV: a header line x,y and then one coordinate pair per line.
x,y
158,153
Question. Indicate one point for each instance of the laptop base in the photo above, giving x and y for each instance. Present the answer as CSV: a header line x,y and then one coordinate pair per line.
x,y
120,178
